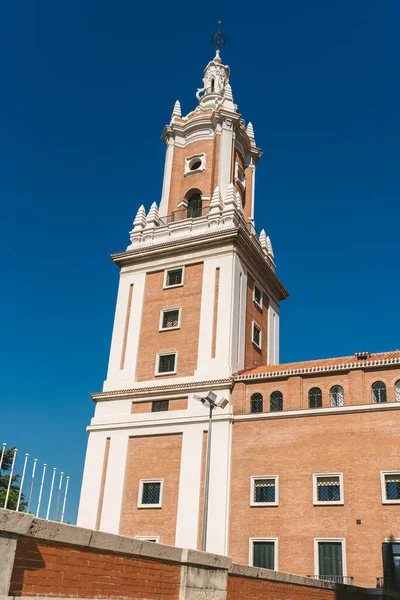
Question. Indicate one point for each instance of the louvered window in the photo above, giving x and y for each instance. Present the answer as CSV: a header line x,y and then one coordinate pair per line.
x,y
392,486
276,401
264,490
256,403
160,405
264,554
166,363
174,277
170,319
330,561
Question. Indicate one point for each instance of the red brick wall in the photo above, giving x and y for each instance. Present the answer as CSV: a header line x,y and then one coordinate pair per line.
x,y
61,570
253,355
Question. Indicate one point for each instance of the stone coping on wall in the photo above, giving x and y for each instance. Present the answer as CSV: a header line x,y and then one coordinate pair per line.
x,y
15,524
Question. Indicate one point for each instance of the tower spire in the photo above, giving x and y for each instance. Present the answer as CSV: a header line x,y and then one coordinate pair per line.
x,y
218,39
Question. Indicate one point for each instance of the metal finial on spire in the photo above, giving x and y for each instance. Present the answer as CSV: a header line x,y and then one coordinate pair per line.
x,y
218,39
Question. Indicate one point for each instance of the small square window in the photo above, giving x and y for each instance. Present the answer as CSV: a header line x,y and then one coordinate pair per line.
x,y
264,491
391,487
160,405
328,488
150,493
257,296
257,335
166,363
173,277
170,319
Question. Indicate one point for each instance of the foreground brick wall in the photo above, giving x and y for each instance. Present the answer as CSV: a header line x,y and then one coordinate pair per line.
x,y
44,568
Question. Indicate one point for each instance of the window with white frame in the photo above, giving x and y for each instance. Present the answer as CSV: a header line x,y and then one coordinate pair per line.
x,y
328,488
170,319
330,559
264,553
166,363
150,493
264,490
390,481
257,296
145,538
173,277
257,335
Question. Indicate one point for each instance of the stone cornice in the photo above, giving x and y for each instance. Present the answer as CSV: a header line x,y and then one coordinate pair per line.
x,y
151,390
362,364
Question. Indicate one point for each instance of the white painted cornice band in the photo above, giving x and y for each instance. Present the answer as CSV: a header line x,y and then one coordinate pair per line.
x,y
187,387
362,364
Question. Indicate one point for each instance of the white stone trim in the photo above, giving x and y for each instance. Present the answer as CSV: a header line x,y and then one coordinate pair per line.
x,y
316,553
158,355
191,160
140,493
318,369
263,539
383,487
253,479
166,310
167,287
169,155
317,502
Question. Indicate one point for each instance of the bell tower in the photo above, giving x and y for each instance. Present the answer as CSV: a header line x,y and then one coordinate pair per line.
x,y
198,300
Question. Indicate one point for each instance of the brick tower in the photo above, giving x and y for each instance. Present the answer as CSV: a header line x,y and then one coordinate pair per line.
x,y
198,300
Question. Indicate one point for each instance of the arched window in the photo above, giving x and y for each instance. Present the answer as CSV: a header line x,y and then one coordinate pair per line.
x,y
315,398
336,396
256,403
212,85
194,206
378,392
397,391
276,401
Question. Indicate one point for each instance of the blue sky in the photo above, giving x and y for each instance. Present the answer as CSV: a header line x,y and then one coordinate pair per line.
x,y
87,88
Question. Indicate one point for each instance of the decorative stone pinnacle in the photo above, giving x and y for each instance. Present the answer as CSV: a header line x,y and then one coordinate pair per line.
x,y
228,92
230,198
152,216
140,220
263,238
250,131
216,204
239,204
270,251
177,112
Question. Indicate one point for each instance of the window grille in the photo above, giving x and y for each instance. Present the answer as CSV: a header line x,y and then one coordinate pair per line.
x,y
170,318
166,363
276,401
160,405
336,396
315,398
174,277
392,486
151,492
328,488
397,391
257,295
378,392
256,403
264,490
256,335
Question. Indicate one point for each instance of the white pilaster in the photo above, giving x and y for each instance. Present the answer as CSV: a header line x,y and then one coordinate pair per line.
x,y
91,482
187,523
163,211
114,485
252,166
238,323
273,333
225,156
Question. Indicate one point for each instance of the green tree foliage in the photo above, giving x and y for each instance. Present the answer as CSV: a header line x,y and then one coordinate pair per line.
x,y
4,481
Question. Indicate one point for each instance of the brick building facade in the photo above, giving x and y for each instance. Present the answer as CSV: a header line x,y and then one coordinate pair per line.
x,y
305,470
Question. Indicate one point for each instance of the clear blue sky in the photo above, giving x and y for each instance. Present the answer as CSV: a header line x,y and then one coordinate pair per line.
x,y
87,88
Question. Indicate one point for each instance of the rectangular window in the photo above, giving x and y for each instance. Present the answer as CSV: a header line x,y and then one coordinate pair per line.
x,y
166,363
144,538
390,481
150,493
330,560
170,319
257,335
328,488
159,405
173,277
263,553
264,491
257,296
